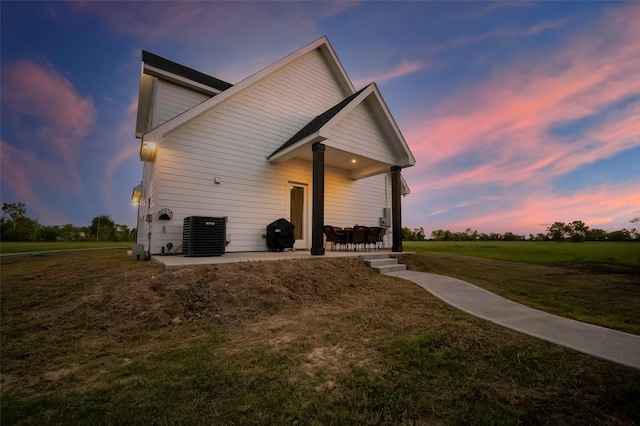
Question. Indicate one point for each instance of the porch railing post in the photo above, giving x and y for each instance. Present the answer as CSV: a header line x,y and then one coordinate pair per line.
x,y
317,217
396,209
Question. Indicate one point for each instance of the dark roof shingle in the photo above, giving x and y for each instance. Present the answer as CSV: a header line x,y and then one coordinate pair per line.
x,y
186,72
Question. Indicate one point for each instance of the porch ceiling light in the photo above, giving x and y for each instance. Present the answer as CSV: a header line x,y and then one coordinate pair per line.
x,y
354,161
148,151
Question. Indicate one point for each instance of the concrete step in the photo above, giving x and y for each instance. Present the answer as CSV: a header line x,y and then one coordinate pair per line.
x,y
372,263
383,263
370,256
390,268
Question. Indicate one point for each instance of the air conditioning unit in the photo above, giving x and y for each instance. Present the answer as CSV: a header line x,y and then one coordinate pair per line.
x,y
204,236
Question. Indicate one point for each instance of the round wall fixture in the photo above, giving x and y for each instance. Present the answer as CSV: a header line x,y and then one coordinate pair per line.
x,y
165,214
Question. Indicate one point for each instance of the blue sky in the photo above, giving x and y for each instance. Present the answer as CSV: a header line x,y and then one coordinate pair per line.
x,y
519,114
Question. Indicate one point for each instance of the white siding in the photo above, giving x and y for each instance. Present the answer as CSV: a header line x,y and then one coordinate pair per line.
x,y
360,133
232,141
146,203
171,100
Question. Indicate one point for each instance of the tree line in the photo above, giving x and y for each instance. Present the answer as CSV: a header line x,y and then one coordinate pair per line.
x,y
15,225
576,231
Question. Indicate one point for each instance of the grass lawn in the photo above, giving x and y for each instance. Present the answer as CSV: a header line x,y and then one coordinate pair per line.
x,y
30,247
98,339
543,252
598,293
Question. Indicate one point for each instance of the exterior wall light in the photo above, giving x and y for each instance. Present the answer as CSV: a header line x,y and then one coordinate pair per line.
x,y
148,151
136,195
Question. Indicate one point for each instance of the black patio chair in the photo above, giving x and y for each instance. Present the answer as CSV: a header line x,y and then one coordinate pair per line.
x,y
373,236
334,236
359,236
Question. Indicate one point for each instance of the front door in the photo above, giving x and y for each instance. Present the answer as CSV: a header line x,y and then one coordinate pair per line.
x,y
298,212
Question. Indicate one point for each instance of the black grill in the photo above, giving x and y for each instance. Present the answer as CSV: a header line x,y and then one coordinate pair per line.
x,y
280,235
204,236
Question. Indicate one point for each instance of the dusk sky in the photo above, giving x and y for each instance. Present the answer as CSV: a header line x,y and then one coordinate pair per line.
x,y
519,114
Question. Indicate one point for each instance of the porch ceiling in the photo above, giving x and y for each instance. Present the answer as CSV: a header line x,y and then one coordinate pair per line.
x,y
359,166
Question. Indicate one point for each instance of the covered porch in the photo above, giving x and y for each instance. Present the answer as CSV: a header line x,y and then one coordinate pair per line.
x,y
358,136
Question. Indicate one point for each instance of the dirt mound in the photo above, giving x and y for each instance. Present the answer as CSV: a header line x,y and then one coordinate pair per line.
x,y
225,293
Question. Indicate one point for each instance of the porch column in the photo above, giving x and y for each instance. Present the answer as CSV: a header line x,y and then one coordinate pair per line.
x,y
396,210
317,216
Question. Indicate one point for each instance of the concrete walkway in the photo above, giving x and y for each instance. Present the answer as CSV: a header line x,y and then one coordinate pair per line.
x,y
612,345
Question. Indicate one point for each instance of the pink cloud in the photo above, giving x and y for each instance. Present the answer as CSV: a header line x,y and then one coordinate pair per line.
x,y
507,122
34,91
514,110
27,175
404,68
195,21
607,206
501,33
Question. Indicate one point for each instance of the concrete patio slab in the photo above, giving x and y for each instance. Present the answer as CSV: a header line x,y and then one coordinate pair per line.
x,y
179,261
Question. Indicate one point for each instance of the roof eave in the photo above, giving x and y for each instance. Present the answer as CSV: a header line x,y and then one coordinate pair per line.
x,y
182,81
290,152
144,103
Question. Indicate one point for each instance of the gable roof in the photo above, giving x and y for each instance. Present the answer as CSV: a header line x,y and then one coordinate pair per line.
x,y
319,129
316,124
322,44
154,66
160,67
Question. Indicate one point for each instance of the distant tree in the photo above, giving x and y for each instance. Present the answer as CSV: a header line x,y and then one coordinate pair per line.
x,y
596,235
510,236
123,233
416,235
103,228
14,212
70,232
557,231
577,230
437,235
621,235
50,233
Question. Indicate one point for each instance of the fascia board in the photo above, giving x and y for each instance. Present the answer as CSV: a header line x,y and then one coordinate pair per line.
x,y
337,68
160,131
405,187
390,121
289,152
183,81
144,104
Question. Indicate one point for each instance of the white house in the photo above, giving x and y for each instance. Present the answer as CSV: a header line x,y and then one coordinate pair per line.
x,y
295,138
